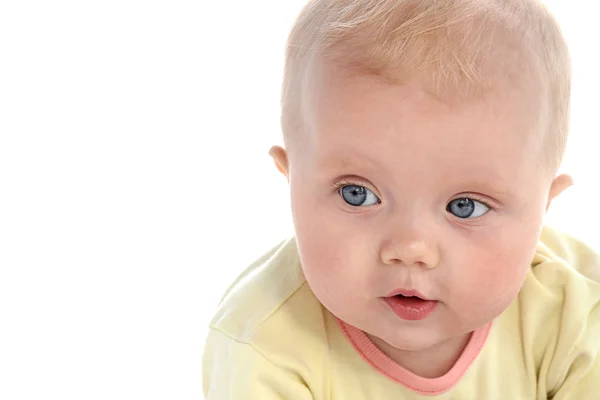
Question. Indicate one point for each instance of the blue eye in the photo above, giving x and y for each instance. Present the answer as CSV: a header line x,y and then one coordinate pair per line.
x,y
358,196
467,208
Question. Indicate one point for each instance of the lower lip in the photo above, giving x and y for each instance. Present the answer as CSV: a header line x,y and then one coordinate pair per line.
x,y
410,308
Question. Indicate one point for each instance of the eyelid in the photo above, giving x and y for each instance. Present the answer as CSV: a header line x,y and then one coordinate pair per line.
x,y
492,205
352,180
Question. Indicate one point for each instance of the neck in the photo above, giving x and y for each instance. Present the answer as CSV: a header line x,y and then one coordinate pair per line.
x,y
432,362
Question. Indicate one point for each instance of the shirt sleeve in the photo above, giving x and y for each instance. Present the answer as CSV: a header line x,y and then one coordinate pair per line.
x,y
234,370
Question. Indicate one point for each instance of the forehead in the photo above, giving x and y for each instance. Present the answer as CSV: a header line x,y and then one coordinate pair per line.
x,y
385,123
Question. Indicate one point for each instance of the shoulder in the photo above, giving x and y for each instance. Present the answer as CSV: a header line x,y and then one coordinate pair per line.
x,y
559,248
560,307
268,335
565,274
269,298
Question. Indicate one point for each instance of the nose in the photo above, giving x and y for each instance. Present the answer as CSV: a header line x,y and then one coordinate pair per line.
x,y
410,247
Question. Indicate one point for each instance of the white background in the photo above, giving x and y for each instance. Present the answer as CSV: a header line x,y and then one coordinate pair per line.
x,y
135,182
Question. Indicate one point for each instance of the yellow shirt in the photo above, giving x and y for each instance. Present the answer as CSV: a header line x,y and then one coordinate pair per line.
x,y
272,339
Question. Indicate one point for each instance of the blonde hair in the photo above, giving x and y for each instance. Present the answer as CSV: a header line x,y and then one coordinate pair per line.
x,y
458,49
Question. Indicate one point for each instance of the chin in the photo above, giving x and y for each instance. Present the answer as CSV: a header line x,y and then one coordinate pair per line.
x,y
410,342
407,344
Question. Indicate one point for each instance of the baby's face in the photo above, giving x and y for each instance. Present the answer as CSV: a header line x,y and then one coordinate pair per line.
x,y
395,191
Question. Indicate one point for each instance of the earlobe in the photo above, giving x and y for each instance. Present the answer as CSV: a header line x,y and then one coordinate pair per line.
x,y
279,156
559,185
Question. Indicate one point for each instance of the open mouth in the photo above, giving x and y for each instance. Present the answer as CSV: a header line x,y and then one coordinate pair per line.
x,y
413,296
409,301
410,307
407,293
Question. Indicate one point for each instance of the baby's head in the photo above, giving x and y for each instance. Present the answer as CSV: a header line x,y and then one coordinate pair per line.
x,y
422,142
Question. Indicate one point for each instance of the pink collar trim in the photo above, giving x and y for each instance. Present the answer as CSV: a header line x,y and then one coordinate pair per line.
x,y
427,386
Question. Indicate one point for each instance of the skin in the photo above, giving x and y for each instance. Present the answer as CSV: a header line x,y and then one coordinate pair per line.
x,y
415,155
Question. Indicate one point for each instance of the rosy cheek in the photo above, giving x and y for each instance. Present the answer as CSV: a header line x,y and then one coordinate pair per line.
x,y
502,272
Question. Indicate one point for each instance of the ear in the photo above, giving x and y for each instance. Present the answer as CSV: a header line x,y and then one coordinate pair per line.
x,y
280,158
559,184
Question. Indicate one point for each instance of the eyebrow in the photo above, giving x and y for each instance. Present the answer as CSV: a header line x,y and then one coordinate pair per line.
x,y
336,162
487,187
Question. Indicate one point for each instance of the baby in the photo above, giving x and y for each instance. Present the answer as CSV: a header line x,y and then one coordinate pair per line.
x,y
422,143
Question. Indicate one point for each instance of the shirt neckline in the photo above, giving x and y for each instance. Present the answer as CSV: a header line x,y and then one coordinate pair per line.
x,y
428,386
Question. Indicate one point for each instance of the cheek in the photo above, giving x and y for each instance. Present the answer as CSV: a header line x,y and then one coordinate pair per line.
x,y
334,250
498,266
501,275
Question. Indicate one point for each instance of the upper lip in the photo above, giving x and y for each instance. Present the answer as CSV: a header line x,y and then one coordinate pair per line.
x,y
407,293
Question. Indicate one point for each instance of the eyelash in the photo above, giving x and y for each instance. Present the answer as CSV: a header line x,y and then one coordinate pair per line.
x,y
478,199
336,186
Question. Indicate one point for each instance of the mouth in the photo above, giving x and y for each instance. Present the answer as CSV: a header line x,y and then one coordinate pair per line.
x,y
410,305
407,293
